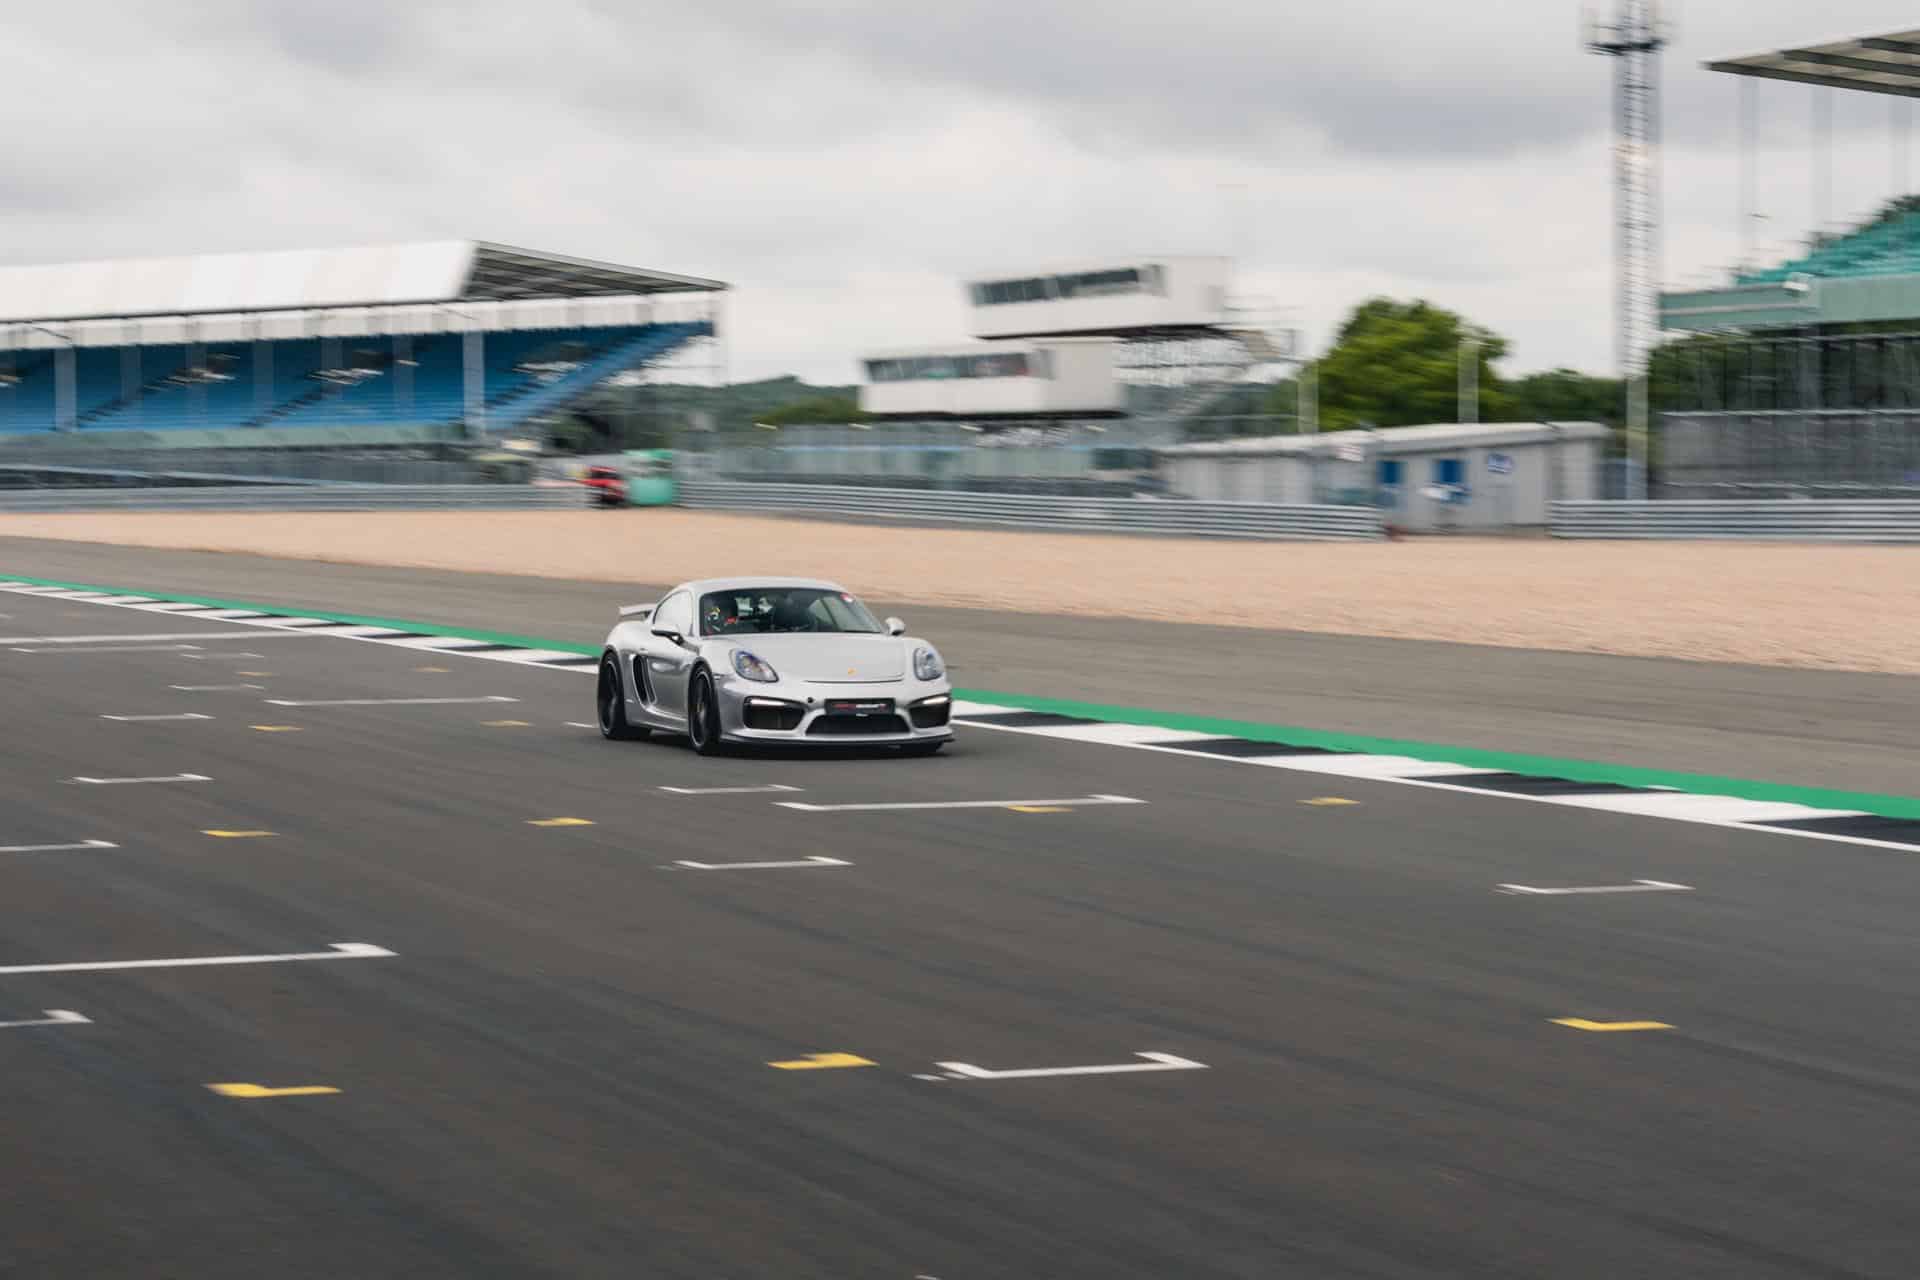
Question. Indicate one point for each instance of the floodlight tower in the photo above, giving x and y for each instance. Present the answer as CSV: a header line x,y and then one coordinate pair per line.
x,y
1633,40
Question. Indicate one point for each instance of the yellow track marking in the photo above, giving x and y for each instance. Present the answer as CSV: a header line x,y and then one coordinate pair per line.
x,y
1581,1024
504,724
241,1090
559,822
276,728
822,1062
235,835
1040,808
1329,802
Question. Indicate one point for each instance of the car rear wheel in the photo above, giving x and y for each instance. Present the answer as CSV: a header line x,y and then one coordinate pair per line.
x,y
611,704
703,715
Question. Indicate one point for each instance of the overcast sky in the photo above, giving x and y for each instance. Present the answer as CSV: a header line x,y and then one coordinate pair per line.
x,y
842,162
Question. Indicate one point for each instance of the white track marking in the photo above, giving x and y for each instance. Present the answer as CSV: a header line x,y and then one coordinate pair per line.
x,y
721,791
1381,768
1112,735
168,606
1155,1062
532,656
54,1018
229,615
438,644
214,688
1075,802
961,707
183,715
1681,804
352,632
385,702
57,848
1638,886
224,653
338,951
174,777
126,639
113,648
575,724
762,866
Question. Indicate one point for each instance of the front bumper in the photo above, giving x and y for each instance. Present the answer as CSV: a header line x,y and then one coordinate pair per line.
x,y
811,714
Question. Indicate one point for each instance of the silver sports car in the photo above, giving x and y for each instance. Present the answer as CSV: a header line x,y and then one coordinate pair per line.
x,y
771,660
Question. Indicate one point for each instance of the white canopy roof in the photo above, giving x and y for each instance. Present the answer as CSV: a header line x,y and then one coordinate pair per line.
x,y
1869,64
310,279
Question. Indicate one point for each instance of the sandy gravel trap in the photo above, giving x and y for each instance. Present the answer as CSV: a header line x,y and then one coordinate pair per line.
x,y
1842,607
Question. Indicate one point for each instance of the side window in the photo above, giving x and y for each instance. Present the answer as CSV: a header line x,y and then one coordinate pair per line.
x,y
674,614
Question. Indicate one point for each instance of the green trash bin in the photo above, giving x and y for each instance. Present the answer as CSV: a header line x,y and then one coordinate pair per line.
x,y
649,477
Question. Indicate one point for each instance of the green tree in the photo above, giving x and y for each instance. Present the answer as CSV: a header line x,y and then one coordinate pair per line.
x,y
816,409
1396,364
1566,395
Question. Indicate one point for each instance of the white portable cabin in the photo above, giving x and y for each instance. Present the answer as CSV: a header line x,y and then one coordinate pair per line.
x,y
998,380
1117,298
1443,475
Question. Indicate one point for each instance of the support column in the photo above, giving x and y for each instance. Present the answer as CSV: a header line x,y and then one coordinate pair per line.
x,y
473,345
63,394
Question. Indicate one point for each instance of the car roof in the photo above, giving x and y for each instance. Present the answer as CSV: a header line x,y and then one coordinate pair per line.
x,y
703,585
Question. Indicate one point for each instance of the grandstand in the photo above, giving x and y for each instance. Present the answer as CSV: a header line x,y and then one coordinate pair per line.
x,y
1869,273
441,341
1803,376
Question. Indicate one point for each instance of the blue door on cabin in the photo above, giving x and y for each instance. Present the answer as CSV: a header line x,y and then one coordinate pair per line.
x,y
1390,476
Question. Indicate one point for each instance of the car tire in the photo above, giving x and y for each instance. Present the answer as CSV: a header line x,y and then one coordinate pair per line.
x,y
703,715
610,706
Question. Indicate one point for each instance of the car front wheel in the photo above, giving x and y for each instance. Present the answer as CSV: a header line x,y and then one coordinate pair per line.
x,y
703,715
611,705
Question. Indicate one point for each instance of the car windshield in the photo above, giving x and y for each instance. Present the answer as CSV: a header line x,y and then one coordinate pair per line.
x,y
758,610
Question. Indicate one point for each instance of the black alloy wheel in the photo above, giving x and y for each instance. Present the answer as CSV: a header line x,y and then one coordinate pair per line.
x,y
611,704
703,715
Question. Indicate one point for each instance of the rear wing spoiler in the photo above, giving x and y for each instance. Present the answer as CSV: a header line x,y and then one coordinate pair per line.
x,y
638,611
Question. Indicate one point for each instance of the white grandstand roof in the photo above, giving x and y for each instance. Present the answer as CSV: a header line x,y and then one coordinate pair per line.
x,y
1868,64
442,271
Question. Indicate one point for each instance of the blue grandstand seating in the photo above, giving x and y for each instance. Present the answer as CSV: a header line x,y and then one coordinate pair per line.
x,y
1889,247
525,373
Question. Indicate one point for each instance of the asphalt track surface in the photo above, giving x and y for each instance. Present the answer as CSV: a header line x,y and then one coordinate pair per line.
x,y
563,1068
1847,730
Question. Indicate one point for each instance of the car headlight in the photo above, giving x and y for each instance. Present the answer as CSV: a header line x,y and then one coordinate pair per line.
x,y
749,667
927,664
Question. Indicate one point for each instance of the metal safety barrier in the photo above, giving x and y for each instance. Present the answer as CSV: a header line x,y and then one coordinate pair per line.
x,y
1085,515
330,497
1781,520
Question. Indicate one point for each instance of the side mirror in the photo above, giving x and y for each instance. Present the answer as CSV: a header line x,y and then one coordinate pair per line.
x,y
674,636
895,627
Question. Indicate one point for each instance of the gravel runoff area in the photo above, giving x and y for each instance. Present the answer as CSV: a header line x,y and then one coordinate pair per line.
x,y
1837,607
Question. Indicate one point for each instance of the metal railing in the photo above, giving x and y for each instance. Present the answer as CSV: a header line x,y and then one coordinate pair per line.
x,y
296,498
1782,520
1084,515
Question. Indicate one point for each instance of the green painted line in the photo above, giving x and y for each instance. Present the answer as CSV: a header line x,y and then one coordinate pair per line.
x,y
1511,762
1289,735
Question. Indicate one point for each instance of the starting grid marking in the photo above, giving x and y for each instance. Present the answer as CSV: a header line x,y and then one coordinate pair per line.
x,y
1838,825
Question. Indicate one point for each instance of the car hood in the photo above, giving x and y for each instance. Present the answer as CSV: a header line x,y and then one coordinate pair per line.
x,y
827,659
